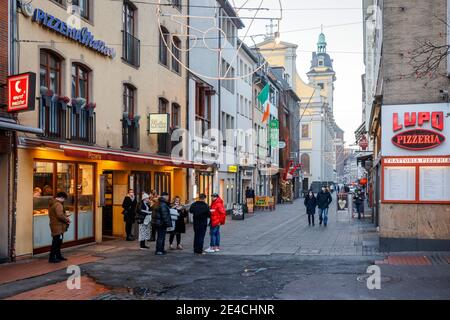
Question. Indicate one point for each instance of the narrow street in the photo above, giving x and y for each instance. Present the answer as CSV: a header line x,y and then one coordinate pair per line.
x,y
269,255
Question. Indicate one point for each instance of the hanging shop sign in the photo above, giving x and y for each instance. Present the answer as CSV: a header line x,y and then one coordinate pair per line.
x,y
364,143
233,169
158,123
22,92
274,127
82,36
420,129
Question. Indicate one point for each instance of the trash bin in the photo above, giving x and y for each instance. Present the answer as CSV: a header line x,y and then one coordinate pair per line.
x,y
238,212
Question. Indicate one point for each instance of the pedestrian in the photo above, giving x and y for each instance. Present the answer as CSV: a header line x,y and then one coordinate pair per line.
x,y
359,198
324,200
144,220
201,212
162,221
129,205
153,202
180,226
218,218
59,223
310,204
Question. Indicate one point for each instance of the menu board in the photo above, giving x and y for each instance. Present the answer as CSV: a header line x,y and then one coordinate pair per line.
x,y
400,183
434,183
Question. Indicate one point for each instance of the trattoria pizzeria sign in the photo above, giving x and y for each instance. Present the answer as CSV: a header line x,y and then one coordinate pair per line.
x,y
415,130
82,36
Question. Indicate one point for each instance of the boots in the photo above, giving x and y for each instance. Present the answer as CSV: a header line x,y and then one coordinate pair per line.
x,y
143,246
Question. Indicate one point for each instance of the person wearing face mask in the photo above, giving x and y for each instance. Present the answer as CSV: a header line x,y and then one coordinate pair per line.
x,y
324,200
310,204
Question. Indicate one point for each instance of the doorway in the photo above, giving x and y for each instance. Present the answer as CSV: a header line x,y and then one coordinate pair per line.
x,y
107,209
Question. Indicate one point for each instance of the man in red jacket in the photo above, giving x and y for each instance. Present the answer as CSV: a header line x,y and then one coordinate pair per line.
x,y
218,217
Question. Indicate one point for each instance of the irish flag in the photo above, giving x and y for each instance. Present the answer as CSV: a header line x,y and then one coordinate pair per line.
x,y
263,98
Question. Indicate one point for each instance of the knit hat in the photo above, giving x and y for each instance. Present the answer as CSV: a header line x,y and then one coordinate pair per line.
x,y
145,196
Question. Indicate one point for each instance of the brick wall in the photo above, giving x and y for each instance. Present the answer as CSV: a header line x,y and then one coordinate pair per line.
x,y
406,22
3,48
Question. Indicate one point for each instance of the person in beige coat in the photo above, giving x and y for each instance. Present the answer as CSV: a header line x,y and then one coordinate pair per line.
x,y
59,223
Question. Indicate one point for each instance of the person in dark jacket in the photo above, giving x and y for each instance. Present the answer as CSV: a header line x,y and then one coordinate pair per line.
x,y
59,223
201,212
359,198
162,221
324,200
129,205
180,226
143,219
310,204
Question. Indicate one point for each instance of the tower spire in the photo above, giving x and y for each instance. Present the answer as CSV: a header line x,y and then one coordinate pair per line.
x,y
322,43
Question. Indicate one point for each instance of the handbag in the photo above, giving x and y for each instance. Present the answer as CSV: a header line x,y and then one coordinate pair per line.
x,y
147,219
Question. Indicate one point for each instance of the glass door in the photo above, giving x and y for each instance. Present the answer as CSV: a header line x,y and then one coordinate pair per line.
x,y
85,191
65,182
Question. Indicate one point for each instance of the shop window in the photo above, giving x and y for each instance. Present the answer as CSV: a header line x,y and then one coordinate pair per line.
x,y
162,182
50,71
77,180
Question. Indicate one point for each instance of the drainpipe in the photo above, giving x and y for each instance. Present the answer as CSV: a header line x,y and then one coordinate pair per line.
x,y
188,143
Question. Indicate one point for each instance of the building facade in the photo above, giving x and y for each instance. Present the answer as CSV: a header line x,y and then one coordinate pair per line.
x,y
107,124
409,128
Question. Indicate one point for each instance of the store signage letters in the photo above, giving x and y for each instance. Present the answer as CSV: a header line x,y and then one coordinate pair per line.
x,y
83,36
418,139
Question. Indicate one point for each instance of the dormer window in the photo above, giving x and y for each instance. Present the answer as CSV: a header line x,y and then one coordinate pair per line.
x,y
321,62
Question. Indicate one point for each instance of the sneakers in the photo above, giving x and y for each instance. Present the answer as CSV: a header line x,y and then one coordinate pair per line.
x,y
172,247
159,253
216,249
179,247
210,250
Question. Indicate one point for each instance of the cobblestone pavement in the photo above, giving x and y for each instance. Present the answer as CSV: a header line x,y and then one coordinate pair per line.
x,y
269,255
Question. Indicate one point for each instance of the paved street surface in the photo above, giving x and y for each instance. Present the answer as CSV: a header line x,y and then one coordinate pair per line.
x,y
269,255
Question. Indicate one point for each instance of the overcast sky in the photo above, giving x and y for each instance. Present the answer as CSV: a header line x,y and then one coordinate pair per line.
x,y
342,21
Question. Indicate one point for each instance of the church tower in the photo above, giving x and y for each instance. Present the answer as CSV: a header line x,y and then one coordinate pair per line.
x,y
321,74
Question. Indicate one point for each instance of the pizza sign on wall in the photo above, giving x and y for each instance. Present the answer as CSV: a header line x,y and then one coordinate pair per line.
x,y
418,138
415,129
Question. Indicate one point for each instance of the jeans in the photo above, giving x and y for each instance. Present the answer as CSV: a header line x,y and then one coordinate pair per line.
x,y
323,215
161,241
199,237
215,236
172,236
55,251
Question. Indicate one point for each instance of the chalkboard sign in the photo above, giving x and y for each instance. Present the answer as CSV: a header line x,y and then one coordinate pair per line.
x,y
238,212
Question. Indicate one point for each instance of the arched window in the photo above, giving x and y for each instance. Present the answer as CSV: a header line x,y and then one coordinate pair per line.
x,y
176,46
50,71
80,81
176,115
163,43
305,160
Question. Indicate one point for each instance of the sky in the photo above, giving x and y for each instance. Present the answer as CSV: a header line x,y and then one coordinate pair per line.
x,y
342,26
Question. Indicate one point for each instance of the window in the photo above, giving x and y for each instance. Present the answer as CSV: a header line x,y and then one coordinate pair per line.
x,y
83,6
227,72
176,57
131,44
176,4
129,93
202,109
321,85
305,131
321,63
163,138
80,81
305,161
176,116
163,43
50,71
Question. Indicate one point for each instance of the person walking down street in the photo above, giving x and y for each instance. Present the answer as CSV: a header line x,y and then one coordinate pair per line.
x,y
162,221
144,220
59,223
324,200
218,218
180,226
359,198
201,212
310,204
129,205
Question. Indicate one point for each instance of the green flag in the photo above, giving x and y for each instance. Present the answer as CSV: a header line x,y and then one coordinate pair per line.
x,y
264,95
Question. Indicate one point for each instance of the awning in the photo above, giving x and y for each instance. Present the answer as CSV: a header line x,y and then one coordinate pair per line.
x,y
99,153
10,124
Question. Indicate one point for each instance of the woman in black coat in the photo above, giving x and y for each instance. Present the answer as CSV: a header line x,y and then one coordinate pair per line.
x,y
180,226
129,205
310,204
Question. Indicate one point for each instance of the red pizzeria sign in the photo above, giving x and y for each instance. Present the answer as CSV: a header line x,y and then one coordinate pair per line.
x,y
418,138
21,92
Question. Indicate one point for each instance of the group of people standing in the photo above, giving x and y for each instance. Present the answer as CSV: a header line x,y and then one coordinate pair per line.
x,y
322,201
155,215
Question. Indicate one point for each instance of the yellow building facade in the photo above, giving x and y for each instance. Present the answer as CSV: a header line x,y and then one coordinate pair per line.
x,y
111,89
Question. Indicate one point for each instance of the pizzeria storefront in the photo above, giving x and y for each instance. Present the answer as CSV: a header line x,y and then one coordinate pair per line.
x,y
415,178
